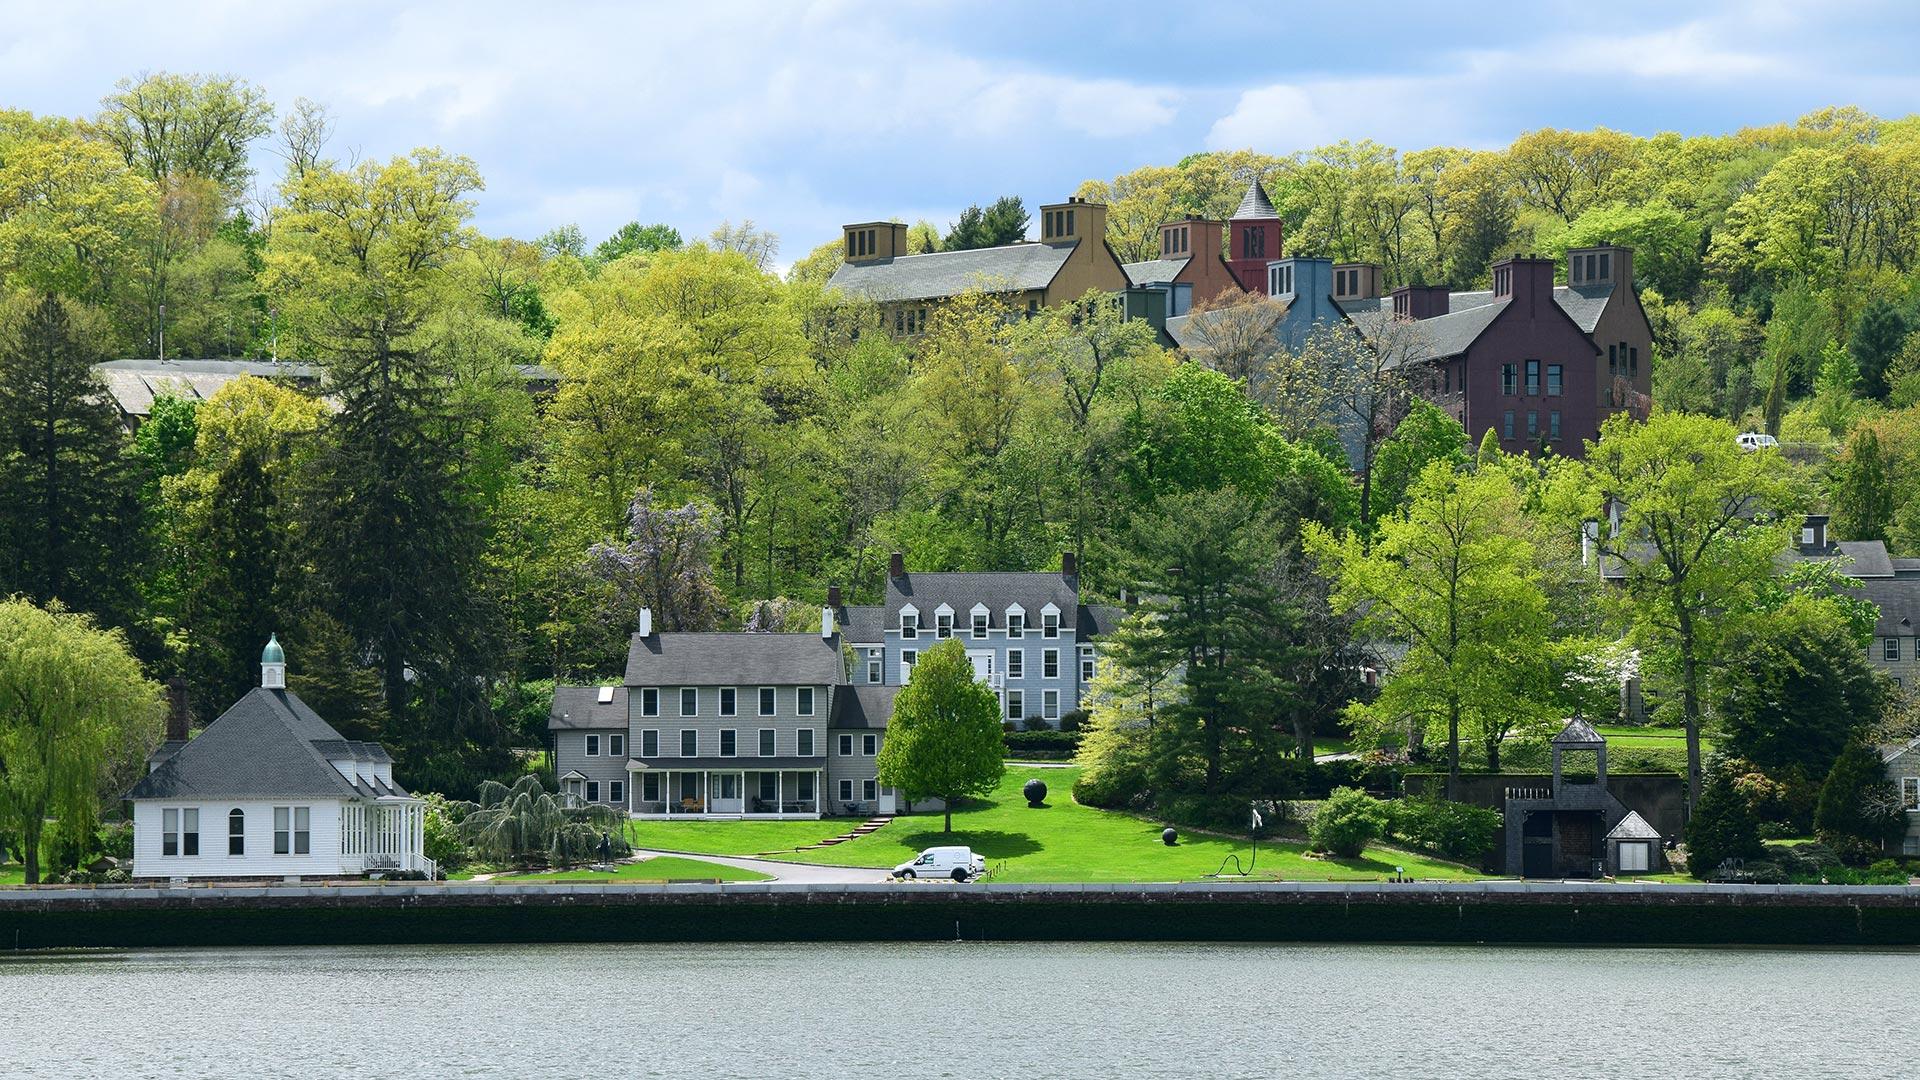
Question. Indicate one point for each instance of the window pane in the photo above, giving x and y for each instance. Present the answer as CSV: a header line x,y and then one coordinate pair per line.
x,y
766,742
689,702
766,701
689,743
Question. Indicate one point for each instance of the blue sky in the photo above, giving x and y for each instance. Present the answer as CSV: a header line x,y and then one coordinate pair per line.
x,y
804,116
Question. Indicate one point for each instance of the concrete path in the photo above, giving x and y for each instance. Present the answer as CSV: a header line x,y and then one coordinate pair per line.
x,y
800,873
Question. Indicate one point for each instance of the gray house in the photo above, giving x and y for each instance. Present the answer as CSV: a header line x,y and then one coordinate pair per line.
x,y
1028,635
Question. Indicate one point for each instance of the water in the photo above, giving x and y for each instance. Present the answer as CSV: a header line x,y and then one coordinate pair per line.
x,y
958,1010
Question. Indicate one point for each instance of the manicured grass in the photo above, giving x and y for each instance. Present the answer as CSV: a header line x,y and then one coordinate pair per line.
x,y
1069,842
1629,735
1324,745
735,837
12,874
660,868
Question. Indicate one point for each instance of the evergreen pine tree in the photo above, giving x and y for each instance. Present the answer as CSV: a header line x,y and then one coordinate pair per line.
x,y
1858,813
1722,827
1876,340
1863,492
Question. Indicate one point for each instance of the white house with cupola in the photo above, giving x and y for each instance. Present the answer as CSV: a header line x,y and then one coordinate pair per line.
x,y
270,790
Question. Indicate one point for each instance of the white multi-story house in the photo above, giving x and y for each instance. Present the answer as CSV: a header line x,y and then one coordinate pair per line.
x,y
1028,635
271,790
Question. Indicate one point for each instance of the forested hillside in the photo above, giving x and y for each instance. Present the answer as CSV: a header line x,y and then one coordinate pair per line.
x,y
723,442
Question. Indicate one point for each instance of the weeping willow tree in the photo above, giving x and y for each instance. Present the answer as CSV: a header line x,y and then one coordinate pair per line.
x,y
526,825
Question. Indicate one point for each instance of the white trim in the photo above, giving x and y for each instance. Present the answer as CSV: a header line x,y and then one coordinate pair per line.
x,y
721,702
644,732
760,741
804,693
684,691
722,748
644,691
684,732
761,699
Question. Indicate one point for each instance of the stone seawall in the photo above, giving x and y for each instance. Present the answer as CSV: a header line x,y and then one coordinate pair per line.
x,y
1582,913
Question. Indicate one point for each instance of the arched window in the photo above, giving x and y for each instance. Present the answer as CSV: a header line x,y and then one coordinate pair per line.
x,y
236,832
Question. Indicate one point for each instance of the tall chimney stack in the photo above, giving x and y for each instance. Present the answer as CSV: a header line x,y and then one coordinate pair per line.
x,y
833,596
897,565
1069,564
176,709
646,622
826,623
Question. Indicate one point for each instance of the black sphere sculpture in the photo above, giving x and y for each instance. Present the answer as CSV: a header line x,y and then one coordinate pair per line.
x,y
1169,837
1036,792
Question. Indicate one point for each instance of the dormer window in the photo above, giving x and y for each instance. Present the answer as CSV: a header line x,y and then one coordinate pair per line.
x,y
1049,624
1016,623
1280,280
909,623
1502,281
979,623
943,622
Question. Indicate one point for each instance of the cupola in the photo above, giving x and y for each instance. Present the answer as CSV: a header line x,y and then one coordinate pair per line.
x,y
273,664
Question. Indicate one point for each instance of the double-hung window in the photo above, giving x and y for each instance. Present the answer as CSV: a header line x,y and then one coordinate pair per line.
x,y
868,789
593,791
649,743
689,742
1910,794
1016,663
1533,378
617,745
979,625
908,657
1050,624
846,791
1016,704
803,701
873,665
943,625
1890,648
1506,426
1086,665
1553,425
729,701
650,701
616,791
766,742
729,742
1533,424
593,746
846,746
1050,663
1050,704
1554,372
1016,624
869,745
1509,379
804,739
236,832
766,701
909,624
689,701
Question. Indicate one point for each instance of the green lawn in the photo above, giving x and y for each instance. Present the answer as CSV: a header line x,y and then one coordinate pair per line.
x,y
1324,745
735,837
1069,842
12,874
1629,735
659,868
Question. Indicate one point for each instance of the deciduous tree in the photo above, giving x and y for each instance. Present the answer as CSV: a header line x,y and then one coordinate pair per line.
x,y
944,738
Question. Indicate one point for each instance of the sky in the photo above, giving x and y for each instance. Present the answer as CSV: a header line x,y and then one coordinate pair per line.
x,y
805,116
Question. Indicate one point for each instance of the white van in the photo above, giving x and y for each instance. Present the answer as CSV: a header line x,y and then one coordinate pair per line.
x,y
1754,440
958,863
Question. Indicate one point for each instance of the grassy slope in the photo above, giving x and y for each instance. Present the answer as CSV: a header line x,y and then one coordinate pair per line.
x,y
655,869
1069,842
734,837
1617,735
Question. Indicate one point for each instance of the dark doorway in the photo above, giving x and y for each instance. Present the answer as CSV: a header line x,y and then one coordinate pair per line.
x,y
1579,843
1536,845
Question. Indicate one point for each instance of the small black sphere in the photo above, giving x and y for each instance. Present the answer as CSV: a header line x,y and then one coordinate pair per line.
x,y
1169,837
1035,790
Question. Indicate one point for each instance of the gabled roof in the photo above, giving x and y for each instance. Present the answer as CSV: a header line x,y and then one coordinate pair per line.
x,y
1582,303
939,274
1870,558
1097,620
1255,205
734,659
268,745
998,591
1898,599
1633,827
1578,733
1427,339
580,707
863,624
134,383
1154,271
865,707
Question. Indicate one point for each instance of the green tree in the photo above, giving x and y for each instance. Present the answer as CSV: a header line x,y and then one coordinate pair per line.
x,y
633,237
1002,223
1862,492
944,739
167,125
1423,436
1700,524
1794,686
1859,812
1876,340
73,702
71,528
1721,827
1457,579
527,826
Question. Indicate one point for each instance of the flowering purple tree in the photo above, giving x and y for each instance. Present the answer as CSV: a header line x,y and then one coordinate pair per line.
x,y
665,564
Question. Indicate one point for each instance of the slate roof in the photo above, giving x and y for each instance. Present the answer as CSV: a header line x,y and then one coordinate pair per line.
x,y
726,659
1870,558
1903,567
133,384
1254,204
863,624
267,745
1899,602
862,707
1577,733
1154,270
1098,620
577,707
998,591
1013,268
1430,339
1583,303
1633,827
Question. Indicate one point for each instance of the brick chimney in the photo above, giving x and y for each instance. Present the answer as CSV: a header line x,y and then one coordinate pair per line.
x,y
833,596
897,565
176,709
1069,564
1421,301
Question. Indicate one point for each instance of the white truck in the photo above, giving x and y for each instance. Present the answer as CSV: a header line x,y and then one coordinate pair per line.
x,y
957,863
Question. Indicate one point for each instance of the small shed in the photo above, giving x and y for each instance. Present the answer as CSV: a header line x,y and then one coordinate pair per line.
x,y
1633,847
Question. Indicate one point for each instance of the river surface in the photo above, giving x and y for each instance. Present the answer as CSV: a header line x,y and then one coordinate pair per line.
x,y
957,1010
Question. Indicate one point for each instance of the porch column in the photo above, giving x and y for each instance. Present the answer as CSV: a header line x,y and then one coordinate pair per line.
x,y
706,791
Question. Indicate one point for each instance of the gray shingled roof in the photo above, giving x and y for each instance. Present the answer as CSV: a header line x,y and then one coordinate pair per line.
x,y
263,747
1899,602
1870,558
729,659
1013,268
863,624
1098,620
133,384
998,591
577,707
1577,733
1583,303
862,707
1633,827
1255,205
1153,271
1428,339
1906,566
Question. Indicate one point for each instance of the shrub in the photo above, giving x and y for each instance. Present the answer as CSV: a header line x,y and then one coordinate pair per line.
x,y
1044,739
1346,822
1073,720
1858,812
1319,781
1456,830
1722,828
1038,723
1111,788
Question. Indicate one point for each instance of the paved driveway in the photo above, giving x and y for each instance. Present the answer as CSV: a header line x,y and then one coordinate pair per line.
x,y
805,873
